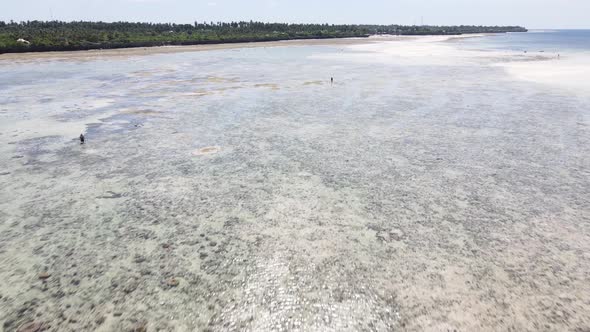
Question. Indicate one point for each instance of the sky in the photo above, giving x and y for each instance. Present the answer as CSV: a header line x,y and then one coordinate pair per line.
x,y
534,14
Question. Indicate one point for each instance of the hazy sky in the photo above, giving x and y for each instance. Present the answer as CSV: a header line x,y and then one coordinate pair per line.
x,y
530,13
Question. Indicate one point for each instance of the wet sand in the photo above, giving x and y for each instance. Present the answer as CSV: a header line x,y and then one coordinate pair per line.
x,y
569,71
427,189
142,51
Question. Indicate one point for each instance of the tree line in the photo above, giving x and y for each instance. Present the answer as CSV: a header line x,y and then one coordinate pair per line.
x,y
39,36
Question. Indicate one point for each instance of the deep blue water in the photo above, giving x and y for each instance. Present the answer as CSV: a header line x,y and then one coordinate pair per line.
x,y
555,41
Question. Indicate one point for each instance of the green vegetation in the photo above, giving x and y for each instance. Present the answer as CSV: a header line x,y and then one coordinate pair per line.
x,y
37,36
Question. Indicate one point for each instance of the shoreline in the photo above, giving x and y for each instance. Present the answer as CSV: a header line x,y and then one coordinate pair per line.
x,y
152,50
533,69
139,51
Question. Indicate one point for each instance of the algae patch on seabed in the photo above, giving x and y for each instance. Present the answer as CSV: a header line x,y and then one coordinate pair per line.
x,y
313,83
217,79
110,195
228,88
141,112
203,93
199,93
206,151
142,73
272,86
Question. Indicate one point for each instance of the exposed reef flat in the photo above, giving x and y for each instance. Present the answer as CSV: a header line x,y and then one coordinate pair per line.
x,y
237,189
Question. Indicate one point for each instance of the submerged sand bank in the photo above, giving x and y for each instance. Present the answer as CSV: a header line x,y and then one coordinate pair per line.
x,y
570,71
567,71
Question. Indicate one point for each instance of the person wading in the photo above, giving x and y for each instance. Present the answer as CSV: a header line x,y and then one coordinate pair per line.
x,y
81,138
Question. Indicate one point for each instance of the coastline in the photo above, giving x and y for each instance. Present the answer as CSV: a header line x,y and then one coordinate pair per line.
x,y
76,36
152,50
140,51
407,49
424,189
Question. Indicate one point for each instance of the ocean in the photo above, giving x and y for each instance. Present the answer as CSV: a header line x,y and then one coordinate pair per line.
x,y
555,41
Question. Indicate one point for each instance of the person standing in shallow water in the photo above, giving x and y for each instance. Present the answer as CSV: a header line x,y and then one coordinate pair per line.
x,y
331,80
81,138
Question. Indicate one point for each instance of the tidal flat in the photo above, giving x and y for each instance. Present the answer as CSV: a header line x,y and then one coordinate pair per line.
x,y
239,190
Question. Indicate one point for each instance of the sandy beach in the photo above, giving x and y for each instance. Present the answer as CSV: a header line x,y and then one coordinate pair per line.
x,y
142,51
429,188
